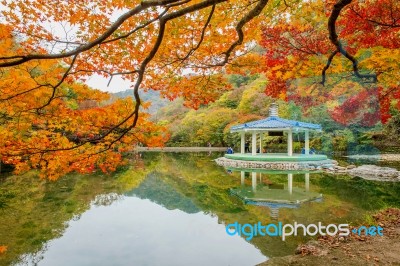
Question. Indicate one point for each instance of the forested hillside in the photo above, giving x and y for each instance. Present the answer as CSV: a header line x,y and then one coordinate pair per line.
x,y
150,96
247,101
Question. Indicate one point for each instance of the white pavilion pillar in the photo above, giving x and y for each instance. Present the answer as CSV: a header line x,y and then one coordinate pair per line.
x,y
254,180
242,142
307,142
290,143
254,143
307,181
242,178
261,137
290,183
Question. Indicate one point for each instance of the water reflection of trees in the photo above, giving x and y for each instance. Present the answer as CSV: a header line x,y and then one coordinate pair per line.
x,y
106,199
208,185
35,211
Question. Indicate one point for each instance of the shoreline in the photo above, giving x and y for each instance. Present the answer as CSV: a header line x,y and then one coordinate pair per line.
x,y
394,157
179,149
352,249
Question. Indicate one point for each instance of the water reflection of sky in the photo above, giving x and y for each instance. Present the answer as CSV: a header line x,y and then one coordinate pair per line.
x,y
133,231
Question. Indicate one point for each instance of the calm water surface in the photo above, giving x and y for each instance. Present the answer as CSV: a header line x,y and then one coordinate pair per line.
x,y
171,209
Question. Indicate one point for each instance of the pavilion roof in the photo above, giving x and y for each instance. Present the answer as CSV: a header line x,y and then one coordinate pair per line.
x,y
275,122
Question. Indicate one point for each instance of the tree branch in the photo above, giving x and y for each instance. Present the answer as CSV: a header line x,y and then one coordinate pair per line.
x,y
201,37
391,25
122,128
239,29
25,58
337,8
55,87
330,58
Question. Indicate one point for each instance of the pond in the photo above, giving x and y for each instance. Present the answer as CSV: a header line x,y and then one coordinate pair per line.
x,y
172,209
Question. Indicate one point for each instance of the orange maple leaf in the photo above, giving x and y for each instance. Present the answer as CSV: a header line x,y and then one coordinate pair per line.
x,y
3,249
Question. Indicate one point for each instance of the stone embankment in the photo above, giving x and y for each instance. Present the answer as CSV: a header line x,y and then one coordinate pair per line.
x,y
369,172
310,165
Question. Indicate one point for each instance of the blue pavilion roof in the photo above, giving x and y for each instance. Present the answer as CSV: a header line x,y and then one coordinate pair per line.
x,y
275,122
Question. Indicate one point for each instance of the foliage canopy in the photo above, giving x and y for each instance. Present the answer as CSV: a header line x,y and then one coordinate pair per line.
x,y
49,119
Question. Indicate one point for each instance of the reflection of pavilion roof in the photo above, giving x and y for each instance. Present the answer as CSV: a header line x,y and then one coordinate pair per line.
x,y
274,195
275,122
275,205
160,192
276,199
278,196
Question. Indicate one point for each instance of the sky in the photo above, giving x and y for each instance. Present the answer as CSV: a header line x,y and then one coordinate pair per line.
x,y
99,82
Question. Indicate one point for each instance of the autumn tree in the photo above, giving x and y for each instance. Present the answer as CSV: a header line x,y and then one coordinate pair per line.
x,y
314,56
70,137
53,122
48,50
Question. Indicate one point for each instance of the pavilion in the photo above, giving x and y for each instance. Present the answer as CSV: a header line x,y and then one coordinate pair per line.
x,y
274,125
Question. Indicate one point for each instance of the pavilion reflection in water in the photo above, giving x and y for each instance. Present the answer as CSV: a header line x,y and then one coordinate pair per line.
x,y
274,195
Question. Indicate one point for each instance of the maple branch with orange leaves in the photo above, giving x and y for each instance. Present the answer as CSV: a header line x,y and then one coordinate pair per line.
x,y
162,19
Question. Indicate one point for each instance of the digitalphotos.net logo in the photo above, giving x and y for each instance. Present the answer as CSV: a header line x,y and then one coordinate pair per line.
x,y
285,230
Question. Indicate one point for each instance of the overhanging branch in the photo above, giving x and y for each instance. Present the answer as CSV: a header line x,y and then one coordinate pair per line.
x,y
328,63
337,8
20,59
